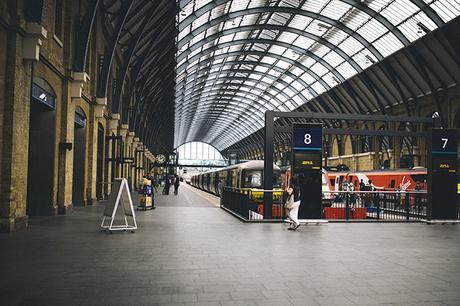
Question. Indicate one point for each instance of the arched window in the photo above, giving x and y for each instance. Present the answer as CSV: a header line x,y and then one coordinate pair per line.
x,y
197,151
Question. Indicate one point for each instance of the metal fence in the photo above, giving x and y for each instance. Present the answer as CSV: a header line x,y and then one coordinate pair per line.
x,y
337,205
375,205
248,203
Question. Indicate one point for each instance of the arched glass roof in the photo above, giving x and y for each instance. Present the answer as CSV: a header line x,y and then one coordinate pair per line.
x,y
238,58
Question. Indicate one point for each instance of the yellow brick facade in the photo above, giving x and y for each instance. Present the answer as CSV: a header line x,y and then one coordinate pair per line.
x,y
54,66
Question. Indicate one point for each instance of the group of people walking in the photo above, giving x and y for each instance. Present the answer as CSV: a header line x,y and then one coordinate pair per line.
x,y
175,181
168,181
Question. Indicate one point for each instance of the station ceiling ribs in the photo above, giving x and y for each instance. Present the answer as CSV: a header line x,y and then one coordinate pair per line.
x,y
235,59
142,35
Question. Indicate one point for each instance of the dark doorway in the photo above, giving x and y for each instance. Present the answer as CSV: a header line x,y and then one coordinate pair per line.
x,y
100,162
79,147
40,178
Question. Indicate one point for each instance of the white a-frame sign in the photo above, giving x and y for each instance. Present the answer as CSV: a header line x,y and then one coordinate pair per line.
x,y
119,196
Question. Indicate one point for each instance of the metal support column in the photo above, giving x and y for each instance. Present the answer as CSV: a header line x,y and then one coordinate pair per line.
x,y
268,163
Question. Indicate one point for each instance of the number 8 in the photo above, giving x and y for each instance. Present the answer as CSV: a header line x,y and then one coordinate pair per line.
x,y
307,139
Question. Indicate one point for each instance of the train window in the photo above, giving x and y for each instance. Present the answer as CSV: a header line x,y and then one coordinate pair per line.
x,y
332,182
229,178
235,178
252,179
277,179
339,181
392,184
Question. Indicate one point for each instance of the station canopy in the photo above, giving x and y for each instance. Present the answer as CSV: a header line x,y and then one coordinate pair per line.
x,y
237,59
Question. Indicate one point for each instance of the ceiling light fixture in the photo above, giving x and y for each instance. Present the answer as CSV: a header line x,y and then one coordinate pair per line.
x,y
369,60
422,28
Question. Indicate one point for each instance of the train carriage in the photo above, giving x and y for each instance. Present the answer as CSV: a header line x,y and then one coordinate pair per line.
x,y
248,175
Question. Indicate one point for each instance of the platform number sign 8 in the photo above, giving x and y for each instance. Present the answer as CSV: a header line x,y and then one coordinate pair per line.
x,y
307,139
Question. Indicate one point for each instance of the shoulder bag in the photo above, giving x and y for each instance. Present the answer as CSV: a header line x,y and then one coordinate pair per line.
x,y
290,201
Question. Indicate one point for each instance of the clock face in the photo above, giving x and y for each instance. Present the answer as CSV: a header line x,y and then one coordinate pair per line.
x,y
161,158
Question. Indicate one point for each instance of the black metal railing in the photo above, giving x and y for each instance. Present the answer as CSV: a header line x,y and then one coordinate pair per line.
x,y
376,205
248,203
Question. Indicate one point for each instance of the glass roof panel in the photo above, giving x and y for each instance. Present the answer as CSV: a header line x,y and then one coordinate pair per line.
x,y
314,6
446,9
300,22
343,31
200,21
388,44
372,30
335,9
318,87
356,20
288,37
307,78
350,46
346,70
238,5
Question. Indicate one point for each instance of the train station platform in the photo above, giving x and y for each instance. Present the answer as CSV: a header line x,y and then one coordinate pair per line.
x,y
190,252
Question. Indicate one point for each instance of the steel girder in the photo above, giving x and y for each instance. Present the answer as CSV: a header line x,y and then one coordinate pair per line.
x,y
110,51
261,54
83,36
328,66
275,9
273,27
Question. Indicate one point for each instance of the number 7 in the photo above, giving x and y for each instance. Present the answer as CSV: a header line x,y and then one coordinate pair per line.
x,y
445,142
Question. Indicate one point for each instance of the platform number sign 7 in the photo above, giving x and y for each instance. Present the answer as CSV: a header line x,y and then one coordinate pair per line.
x,y
444,141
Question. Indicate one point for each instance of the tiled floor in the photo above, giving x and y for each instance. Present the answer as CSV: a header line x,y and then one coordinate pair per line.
x,y
189,252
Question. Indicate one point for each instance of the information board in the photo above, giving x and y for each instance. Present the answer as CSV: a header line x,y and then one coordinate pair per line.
x,y
444,141
307,143
442,174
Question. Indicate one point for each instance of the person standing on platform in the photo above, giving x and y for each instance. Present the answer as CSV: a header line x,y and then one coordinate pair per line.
x,y
294,190
155,183
167,186
362,185
176,184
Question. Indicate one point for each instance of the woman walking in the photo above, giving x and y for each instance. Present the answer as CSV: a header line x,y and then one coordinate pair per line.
x,y
294,191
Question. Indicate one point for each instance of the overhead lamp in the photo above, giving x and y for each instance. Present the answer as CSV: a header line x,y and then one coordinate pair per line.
x,y
422,28
334,79
322,26
369,59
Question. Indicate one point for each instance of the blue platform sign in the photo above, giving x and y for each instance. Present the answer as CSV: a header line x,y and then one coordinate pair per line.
x,y
307,146
307,137
444,141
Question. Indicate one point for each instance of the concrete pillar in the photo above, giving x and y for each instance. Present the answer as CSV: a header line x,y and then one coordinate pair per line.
x,y
15,84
